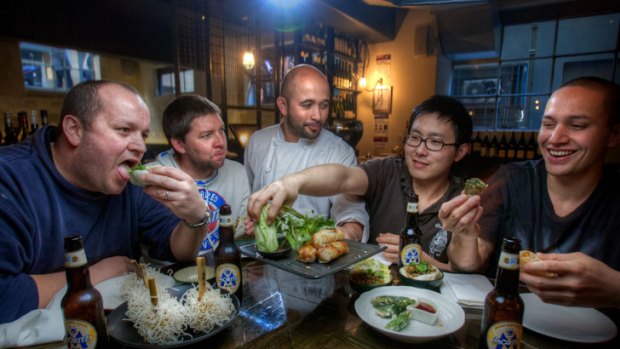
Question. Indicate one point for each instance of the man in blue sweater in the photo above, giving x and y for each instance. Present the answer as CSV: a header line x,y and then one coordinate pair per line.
x,y
72,179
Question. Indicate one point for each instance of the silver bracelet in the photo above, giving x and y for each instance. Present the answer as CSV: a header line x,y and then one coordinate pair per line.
x,y
200,224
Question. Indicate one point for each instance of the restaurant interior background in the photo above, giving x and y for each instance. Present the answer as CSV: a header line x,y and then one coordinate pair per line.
x,y
501,58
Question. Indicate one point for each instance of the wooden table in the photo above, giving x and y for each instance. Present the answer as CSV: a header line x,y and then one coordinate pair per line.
x,y
283,310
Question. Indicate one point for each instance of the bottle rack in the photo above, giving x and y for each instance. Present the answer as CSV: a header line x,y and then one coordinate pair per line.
x,y
336,55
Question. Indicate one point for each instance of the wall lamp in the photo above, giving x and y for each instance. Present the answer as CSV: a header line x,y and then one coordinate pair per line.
x,y
378,84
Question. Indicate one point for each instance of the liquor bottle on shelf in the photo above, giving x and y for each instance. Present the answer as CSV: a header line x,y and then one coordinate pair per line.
x,y
502,317
502,147
492,153
34,124
484,146
521,146
22,128
43,117
476,145
511,151
9,132
532,147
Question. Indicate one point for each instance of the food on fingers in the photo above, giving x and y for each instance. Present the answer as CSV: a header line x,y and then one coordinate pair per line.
x,y
137,172
331,251
474,186
526,256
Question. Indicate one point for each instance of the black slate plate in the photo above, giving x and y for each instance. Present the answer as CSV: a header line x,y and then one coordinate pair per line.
x,y
357,252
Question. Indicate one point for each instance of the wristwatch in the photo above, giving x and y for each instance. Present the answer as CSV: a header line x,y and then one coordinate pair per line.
x,y
200,224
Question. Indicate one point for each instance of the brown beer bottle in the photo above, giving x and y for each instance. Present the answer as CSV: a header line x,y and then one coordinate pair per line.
x,y
227,257
502,318
410,236
82,305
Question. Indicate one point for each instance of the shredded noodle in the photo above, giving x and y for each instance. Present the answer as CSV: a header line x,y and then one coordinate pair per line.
x,y
213,309
168,322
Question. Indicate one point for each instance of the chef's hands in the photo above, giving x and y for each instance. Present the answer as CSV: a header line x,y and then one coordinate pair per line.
x,y
176,190
279,193
581,280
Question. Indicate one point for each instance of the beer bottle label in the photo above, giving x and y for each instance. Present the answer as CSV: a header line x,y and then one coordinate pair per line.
x,y
411,254
412,207
80,334
75,259
509,261
228,277
226,221
505,335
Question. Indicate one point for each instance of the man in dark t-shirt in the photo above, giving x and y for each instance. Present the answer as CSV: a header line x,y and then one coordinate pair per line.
x,y
566,207
438,137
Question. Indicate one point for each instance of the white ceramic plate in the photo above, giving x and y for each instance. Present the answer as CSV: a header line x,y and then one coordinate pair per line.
x,y
574,324
449,314
190,274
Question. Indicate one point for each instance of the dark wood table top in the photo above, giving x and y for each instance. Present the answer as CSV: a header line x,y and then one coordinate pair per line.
x,y
283,310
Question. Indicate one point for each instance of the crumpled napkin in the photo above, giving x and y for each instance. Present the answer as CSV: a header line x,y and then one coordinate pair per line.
x,y
47,325
36,327
468,290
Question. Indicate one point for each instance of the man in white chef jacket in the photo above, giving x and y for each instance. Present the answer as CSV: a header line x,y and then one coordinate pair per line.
x,y
298,142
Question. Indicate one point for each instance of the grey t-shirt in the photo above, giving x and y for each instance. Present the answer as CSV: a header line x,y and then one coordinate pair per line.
x,y
389,188
517,204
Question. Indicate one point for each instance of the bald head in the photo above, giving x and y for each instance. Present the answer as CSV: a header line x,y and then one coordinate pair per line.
x,y
291,78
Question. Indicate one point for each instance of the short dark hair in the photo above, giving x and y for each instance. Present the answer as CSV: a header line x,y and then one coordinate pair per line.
x,y
611,90
287,82
449,109
180,113
82,101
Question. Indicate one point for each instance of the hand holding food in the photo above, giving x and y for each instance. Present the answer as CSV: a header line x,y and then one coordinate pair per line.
x,y
474,186
526,256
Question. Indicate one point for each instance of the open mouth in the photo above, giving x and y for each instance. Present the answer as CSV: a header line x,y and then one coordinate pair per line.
x,y
560,153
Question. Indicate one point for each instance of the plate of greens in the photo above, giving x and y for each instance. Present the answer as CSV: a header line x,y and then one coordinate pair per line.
x,y
450,316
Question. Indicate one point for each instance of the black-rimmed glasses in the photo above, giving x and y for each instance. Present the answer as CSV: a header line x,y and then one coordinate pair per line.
x,y
433,144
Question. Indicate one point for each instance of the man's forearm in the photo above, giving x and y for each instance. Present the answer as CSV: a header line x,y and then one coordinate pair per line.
x,y
185,242
327,180
465,255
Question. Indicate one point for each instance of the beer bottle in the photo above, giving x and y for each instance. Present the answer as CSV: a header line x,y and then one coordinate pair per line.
x,y
410,236
227,257
82,305
503,307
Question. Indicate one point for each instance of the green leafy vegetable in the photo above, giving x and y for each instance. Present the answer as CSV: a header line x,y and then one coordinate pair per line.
x,y
296,227
370,272
399,322
266,235
299,228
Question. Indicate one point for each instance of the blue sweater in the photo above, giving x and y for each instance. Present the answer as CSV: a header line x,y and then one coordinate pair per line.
x,y
39,207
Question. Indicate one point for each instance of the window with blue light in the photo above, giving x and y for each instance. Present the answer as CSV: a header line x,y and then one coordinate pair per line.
x,y
56,69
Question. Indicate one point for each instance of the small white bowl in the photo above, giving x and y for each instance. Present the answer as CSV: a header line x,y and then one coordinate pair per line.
x,y
421,311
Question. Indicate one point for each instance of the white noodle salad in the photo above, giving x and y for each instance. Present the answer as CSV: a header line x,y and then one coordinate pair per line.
x,y
164,323
213,309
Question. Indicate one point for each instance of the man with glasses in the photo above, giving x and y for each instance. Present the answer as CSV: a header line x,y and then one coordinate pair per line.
x,y
439,134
